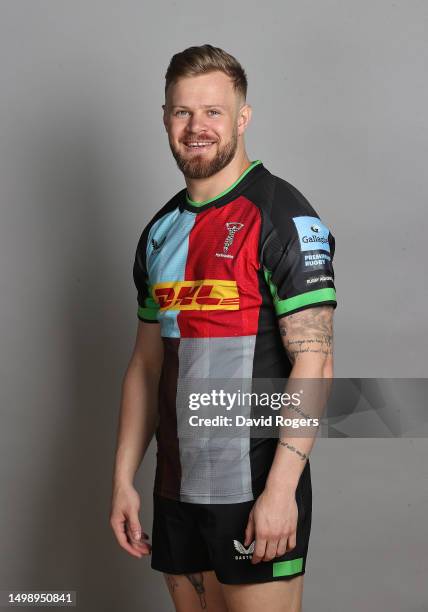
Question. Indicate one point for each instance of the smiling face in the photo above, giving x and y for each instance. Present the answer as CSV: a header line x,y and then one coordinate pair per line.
x,y
201,116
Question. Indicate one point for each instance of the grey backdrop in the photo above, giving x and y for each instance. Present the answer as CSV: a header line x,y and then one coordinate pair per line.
x,y
339,93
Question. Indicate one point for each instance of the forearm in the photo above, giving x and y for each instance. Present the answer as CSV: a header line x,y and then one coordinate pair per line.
x,y
137,419
293,451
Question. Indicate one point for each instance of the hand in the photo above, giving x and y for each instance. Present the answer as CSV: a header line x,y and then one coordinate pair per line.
x,y
273,524
125,522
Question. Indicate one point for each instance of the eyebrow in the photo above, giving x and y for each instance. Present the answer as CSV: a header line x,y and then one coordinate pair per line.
x,y
202,105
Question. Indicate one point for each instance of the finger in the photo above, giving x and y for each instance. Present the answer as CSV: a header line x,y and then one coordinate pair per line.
x,y
143,545
282,547
134,528
120,533
136,537
249,531
271,548
135,540
291,541
259,550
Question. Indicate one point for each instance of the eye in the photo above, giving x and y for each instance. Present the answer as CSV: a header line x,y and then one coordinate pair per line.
x,y
214,111
177,113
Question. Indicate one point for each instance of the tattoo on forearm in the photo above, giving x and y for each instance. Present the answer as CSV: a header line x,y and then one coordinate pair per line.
x,y
197,580
292,448
309,345
308,331
299,411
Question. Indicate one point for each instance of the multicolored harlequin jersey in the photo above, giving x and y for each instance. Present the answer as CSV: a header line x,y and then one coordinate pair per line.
x,y
216,276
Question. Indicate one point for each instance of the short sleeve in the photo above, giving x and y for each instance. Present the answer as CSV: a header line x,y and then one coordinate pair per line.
x,y
147,310
297,257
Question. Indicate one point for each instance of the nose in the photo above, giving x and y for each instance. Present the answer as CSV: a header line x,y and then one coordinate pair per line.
x,y
197,122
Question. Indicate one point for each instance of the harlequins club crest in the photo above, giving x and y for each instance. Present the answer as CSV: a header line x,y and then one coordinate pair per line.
x,y
232,227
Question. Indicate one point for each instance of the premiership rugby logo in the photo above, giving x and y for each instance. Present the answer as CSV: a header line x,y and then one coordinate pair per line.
x,y
232,227
205,294
244,553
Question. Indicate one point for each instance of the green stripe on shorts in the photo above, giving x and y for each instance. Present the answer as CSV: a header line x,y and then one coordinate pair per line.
x,y
287,568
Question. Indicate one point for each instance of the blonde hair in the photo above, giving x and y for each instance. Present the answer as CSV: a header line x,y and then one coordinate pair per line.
x,y
202,60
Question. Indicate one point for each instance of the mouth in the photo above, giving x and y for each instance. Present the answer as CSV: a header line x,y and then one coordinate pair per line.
x,y
199,145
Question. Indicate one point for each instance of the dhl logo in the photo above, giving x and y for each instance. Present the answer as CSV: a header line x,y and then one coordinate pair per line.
x,y
197,295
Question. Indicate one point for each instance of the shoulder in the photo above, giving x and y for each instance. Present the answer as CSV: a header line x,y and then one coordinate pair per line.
x,y
282,205
278,199
289,201
290,219
166,209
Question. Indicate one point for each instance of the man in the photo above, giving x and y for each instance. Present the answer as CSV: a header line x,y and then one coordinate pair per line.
x,y
234,269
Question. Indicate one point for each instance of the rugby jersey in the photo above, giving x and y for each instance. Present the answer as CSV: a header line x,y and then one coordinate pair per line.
x,y
216,276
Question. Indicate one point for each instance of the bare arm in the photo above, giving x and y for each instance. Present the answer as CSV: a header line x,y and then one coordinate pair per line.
x,y
308,339
138,410
137,423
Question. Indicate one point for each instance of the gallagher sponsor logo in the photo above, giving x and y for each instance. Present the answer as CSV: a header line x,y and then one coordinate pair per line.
x,y
313,234
321,239
206,294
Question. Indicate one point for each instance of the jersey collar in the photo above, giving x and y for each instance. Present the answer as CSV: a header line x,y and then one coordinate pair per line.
x,y
229,194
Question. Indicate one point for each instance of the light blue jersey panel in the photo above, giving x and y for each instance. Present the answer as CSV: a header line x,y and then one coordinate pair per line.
x,y
167,249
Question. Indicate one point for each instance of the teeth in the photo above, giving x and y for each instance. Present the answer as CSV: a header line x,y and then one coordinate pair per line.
x,y
198,144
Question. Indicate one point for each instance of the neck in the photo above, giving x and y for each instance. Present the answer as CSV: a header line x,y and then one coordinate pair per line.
x,y
200,190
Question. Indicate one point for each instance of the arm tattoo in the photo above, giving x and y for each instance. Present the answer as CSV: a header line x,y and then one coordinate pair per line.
x,y
197,580
293,449
308,331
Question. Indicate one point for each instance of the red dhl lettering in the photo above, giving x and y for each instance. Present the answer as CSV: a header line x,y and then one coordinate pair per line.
x,y
197,295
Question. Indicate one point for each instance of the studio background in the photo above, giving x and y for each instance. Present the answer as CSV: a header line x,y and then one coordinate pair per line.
x,y
339,96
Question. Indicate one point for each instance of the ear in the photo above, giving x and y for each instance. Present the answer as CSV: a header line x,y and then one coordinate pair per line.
x,y
164,118
244,118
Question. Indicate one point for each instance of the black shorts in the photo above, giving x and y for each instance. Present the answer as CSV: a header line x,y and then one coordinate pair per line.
x,y
189,538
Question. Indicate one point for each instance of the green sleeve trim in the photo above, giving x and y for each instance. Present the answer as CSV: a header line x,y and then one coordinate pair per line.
x,y
149,310
267,273
238,180
147,313
287,568
305,299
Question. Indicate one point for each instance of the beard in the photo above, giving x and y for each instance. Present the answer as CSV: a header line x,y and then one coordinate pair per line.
x,y
196,167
